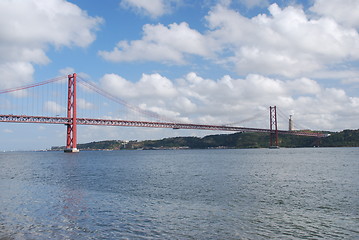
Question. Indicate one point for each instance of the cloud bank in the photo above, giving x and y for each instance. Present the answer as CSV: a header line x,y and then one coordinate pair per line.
x,y
286,42
227,100
29,28
153,8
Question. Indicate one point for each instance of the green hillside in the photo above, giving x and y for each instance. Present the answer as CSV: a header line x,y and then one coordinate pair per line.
x,y
346,138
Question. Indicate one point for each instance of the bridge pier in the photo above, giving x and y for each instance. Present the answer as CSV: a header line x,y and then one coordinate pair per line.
x,y
71,150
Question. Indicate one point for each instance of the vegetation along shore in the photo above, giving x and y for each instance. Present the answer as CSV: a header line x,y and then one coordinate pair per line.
x,y
346,138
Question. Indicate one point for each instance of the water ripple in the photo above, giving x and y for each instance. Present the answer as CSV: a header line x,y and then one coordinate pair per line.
x,y
212,194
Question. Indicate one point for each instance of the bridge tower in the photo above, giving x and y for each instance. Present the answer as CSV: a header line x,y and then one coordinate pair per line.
x,y
273,127
71,139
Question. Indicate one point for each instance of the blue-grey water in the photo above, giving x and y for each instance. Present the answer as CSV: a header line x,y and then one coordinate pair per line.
x,y
181,194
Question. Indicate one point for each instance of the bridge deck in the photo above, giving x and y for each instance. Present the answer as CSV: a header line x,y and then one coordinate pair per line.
x,y
126,123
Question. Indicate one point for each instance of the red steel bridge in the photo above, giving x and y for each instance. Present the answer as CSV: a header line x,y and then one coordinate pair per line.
x,y
71,120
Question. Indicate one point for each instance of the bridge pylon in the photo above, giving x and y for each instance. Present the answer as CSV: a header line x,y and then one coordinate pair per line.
x,y
273,127
71,136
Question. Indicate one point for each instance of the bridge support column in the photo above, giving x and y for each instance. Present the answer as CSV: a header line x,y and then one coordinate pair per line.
x,y
71,139
273,127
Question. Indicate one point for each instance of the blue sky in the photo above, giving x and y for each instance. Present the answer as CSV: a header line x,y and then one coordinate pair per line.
x,y
194,61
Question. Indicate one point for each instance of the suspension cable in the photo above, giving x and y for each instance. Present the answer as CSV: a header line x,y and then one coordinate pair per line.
x,y
244,120
31,85
110,96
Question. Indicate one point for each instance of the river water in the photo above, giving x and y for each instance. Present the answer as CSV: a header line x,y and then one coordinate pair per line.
x,y
181,194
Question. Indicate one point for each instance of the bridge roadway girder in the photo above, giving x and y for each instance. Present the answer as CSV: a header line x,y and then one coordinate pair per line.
x,y
126,123
33,119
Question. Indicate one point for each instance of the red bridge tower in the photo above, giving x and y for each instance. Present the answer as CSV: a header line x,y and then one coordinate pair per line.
x,y
71,139
273,127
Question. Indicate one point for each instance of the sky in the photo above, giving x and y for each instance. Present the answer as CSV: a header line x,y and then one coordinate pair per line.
x,y
211,61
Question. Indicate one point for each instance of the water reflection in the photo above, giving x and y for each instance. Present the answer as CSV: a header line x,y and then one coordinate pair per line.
x,y
73,210
73,200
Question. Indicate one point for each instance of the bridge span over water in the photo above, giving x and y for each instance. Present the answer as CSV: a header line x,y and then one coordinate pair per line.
x,y
71,121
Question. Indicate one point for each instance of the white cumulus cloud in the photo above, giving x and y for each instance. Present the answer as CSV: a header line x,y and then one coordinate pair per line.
x,y
153,8
226,100
254,3
343,11
66,71
83,104
160,43
7,131
28,28
150,87
15,73
53,107
285,42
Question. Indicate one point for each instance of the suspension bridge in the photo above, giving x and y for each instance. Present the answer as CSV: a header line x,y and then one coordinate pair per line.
x,y
71,119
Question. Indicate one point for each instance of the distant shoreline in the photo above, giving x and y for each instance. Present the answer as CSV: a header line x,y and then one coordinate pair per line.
x,y
346,138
